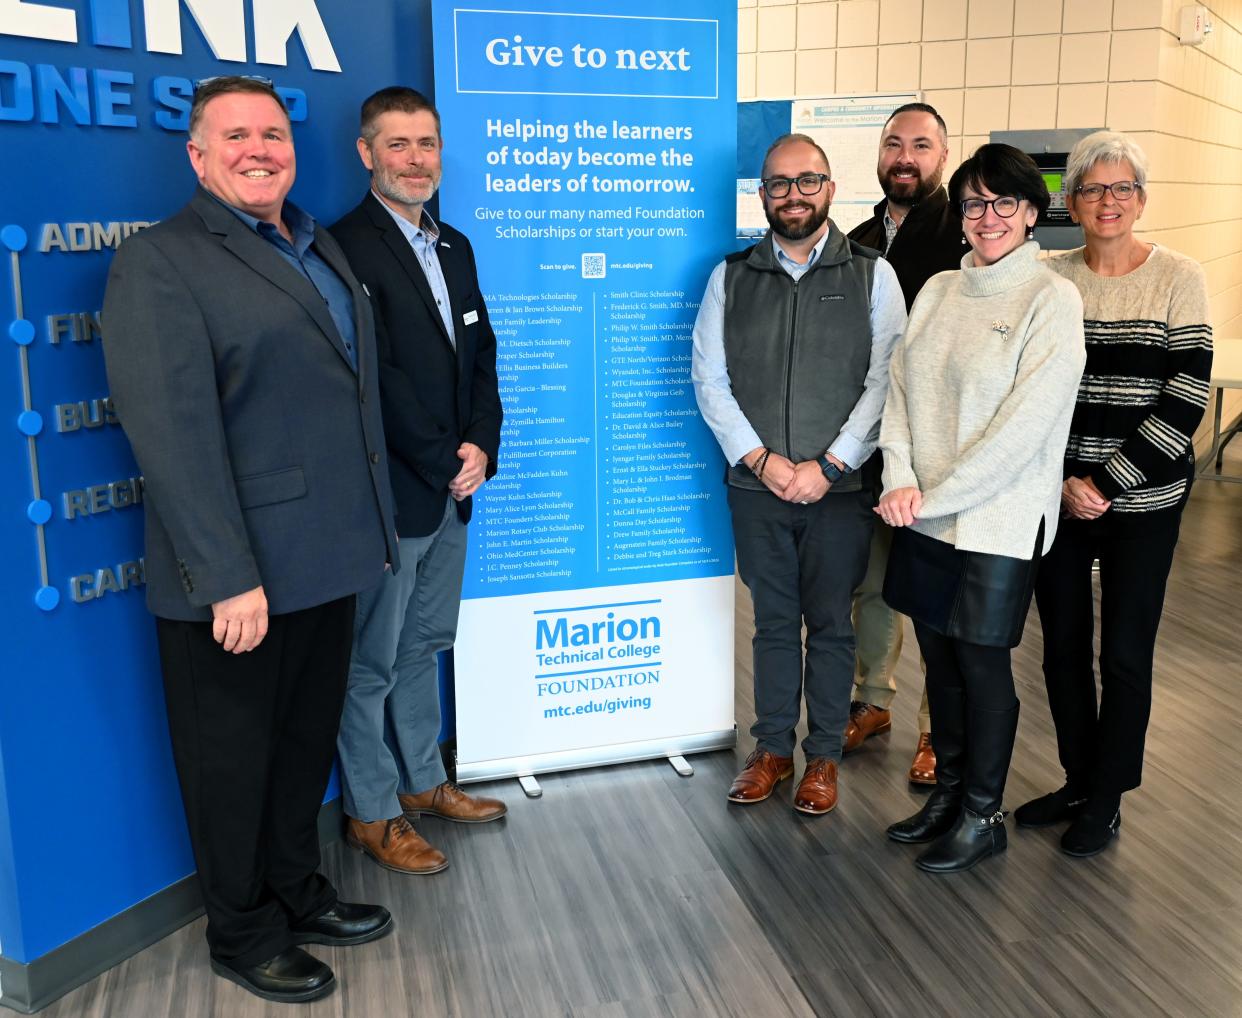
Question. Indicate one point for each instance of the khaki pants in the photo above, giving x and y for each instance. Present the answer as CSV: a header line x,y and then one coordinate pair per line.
x,y
878,630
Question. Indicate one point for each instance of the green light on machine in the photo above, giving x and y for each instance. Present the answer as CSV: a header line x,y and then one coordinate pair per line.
x,y
1055,182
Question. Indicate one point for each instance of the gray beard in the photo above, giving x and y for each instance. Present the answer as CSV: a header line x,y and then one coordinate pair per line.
x,y
392,194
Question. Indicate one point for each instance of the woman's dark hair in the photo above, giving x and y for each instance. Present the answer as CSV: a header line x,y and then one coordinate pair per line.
x,y
1003,170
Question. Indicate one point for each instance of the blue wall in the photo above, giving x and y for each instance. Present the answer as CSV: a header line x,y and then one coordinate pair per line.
x,y
90,814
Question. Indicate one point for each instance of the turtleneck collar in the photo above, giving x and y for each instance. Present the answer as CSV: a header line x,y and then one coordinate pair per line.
x,y
1015,268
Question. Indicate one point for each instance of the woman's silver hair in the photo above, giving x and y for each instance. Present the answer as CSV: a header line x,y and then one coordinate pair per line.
x,y
1105,147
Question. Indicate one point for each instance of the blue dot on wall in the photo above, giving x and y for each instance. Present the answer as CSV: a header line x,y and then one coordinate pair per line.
x,y
13,237
39,511
21,332
30,422
47,598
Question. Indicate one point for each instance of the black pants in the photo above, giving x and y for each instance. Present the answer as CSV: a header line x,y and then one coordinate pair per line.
x,y
983,674
974,717
802,563
1102,750
253,737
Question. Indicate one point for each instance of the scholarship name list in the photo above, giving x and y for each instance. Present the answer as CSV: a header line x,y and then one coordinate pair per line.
x,y
603,469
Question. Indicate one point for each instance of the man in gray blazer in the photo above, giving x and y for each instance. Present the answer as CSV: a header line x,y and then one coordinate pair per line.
x,y
241,357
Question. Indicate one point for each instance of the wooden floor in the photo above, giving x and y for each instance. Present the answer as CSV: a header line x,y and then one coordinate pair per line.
x,y
630,891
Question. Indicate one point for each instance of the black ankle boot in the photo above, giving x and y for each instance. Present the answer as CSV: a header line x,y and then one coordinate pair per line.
x,y
980,831
1055,807
938,815
1094,827
972,839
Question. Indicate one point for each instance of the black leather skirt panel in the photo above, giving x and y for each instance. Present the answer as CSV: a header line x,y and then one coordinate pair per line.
x,y
965,595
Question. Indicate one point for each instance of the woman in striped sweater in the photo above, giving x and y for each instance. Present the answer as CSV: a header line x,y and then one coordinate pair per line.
x,y
1128,470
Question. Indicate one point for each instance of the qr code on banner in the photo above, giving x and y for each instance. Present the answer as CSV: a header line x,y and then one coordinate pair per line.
x,y
593,266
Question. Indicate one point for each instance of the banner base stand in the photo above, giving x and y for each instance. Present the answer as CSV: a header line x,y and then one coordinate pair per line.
x,y
522,767
681,765
530,786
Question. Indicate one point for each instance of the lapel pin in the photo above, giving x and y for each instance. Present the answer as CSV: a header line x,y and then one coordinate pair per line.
x,y
1001,327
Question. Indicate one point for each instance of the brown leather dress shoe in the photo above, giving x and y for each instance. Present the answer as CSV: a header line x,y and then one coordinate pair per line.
x,y
923,770
756,780
395,845
817,791
866,720
449,802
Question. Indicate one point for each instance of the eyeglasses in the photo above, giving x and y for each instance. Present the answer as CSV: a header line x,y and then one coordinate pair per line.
x,y
1005,206
1121,190
202,82
808,183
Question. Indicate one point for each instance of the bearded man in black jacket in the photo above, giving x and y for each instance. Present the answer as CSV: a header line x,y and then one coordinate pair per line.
x,y
917,232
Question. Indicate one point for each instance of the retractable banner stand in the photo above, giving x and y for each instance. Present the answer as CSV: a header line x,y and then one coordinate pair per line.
x,y
589,155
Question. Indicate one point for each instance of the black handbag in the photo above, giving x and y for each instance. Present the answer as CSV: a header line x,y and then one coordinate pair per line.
x,y
971,596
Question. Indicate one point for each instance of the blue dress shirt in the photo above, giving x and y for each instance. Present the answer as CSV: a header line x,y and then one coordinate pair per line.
x,y
423,239
301,255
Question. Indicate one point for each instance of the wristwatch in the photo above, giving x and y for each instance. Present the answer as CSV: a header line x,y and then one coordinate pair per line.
x,y
830,470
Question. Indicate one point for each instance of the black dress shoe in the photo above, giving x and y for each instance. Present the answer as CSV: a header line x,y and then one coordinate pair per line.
x,y
344,924
973,838
938,815
1091,832
292,977
1053,808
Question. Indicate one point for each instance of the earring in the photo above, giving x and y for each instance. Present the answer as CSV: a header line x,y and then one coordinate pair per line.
x,y
964,240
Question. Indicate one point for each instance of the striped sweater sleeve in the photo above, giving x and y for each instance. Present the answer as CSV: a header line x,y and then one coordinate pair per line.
x,y
1165,434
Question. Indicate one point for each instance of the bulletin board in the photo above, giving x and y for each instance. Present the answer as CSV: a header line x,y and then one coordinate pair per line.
x,y
846,126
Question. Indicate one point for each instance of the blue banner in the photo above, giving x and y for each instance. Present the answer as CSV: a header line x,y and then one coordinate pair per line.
x,y
595,226
589,153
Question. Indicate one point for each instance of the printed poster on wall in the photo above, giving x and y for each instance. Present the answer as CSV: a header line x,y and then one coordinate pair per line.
x,y
846,127
588,155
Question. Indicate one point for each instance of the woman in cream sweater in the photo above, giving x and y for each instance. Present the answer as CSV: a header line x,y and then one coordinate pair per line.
x,y
974,431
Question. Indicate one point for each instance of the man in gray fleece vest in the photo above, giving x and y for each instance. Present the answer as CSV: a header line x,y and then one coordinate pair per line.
x,y
791,352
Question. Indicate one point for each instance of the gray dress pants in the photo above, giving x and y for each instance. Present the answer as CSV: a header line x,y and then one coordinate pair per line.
x,y
391,722
802,564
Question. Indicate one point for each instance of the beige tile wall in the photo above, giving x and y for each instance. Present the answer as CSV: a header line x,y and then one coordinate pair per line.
x,y
996,64
1195,147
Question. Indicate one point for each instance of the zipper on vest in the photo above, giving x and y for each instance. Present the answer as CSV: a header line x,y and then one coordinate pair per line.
x,y
789,364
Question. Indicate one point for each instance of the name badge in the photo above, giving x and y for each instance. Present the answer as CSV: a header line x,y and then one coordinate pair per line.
x,y
470,317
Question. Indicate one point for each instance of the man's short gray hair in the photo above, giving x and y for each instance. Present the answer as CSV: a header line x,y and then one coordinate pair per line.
x,y
1104,147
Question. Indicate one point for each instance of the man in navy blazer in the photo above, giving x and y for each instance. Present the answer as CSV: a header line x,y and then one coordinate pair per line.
x,y
442,414
241,357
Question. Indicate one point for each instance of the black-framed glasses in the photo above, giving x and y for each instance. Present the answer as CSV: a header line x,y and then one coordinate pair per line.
x,y
808,183
1006,205
1121,190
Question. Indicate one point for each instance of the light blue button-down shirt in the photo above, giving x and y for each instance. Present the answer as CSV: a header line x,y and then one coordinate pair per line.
x,y
857,439
423,239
